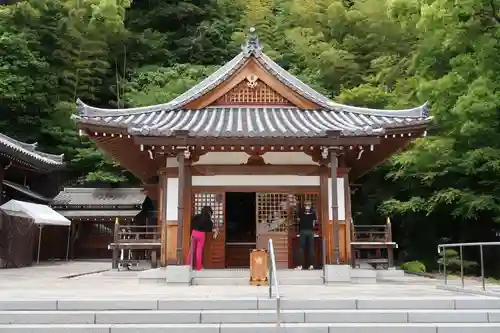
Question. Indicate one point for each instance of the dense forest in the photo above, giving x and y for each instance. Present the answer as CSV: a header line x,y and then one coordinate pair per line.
x,y
374,53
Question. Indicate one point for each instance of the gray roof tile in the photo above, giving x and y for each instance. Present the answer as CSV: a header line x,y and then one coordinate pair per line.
x,y
156,119
26,190
98,213
254,122
27,152
99,197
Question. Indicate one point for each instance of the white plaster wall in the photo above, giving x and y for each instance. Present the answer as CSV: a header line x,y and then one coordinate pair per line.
x,y
279,158
172,196
340,196
255,180
172,162
236,158
229,158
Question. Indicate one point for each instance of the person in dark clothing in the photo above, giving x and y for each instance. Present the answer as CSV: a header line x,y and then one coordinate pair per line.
x,y
201,224
307,221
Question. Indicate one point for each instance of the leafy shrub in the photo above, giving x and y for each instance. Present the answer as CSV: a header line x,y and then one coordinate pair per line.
x,y
413,267
453,261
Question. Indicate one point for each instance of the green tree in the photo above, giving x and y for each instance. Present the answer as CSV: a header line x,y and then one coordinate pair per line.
x,y
155,85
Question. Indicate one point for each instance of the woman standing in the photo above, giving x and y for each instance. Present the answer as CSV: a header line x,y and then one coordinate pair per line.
x,y
201,224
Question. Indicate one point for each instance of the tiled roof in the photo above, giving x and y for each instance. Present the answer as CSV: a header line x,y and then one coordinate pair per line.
x,y
25,190
99,197
350,120
255,122
98,213
27,152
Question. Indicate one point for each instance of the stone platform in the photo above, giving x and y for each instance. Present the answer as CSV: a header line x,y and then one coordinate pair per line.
x,y
64,298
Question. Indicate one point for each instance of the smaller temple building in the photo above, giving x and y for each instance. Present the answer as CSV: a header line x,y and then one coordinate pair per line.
x,y
26,173
93,212
29,175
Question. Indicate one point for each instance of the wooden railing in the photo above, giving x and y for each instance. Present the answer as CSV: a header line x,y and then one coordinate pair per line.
x,y
135,243
372,240
371,233
136,233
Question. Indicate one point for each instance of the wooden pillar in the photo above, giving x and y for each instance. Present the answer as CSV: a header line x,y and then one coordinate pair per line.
x,y
323,215
348,218
116,240
162,217
335,208
390,248
188,205
180,205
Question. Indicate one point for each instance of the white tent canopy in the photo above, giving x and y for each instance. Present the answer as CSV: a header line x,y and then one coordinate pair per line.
x,y
41,214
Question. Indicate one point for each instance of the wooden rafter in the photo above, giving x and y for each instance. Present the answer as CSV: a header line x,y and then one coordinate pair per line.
x,y
128,155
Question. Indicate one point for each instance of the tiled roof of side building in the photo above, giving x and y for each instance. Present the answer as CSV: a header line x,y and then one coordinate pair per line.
x,y
74,196
357,120
27,152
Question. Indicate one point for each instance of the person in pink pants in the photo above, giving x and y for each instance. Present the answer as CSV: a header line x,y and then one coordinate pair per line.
x,y
201,224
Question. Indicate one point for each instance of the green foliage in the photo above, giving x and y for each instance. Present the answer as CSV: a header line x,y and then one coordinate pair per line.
x,y
154,85
413,267
453,262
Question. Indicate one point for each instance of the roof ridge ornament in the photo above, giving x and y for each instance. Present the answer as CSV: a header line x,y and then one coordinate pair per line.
x,y
252,44
425,110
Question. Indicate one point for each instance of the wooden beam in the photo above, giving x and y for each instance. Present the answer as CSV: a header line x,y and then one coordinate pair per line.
x,y
188,213
323,214
238,169
371,159
335,208
159,141
162,217
348,217
180,204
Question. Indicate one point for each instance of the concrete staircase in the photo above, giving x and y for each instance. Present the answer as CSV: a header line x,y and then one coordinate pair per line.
x,y
252,315
235,277
242,276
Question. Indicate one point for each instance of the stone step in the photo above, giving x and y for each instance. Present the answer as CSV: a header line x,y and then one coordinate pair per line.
x,y
300,281
245,273
390,273
220,281
221,273
257,328
292,273
253,303
245,281
248,316
363,276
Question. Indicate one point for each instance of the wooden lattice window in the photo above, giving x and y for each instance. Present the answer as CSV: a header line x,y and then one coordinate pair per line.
x,y
273,211
278,212
213,200
252,93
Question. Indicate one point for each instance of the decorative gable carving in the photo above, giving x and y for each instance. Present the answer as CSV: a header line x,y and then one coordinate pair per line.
x,y
252,91
252,84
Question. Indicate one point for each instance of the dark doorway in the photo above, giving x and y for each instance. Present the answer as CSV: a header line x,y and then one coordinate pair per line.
x,y
241,219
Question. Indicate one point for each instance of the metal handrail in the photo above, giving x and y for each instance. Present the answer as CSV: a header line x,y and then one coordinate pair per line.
x,y
273,280
461,246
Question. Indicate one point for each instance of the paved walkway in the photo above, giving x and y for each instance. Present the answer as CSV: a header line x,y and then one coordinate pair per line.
x,y
51,281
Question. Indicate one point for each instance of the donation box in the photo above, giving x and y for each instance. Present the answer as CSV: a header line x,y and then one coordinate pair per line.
x,y
258,267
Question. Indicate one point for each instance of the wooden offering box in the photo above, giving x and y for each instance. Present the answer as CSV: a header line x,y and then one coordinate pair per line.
x,y
258,267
